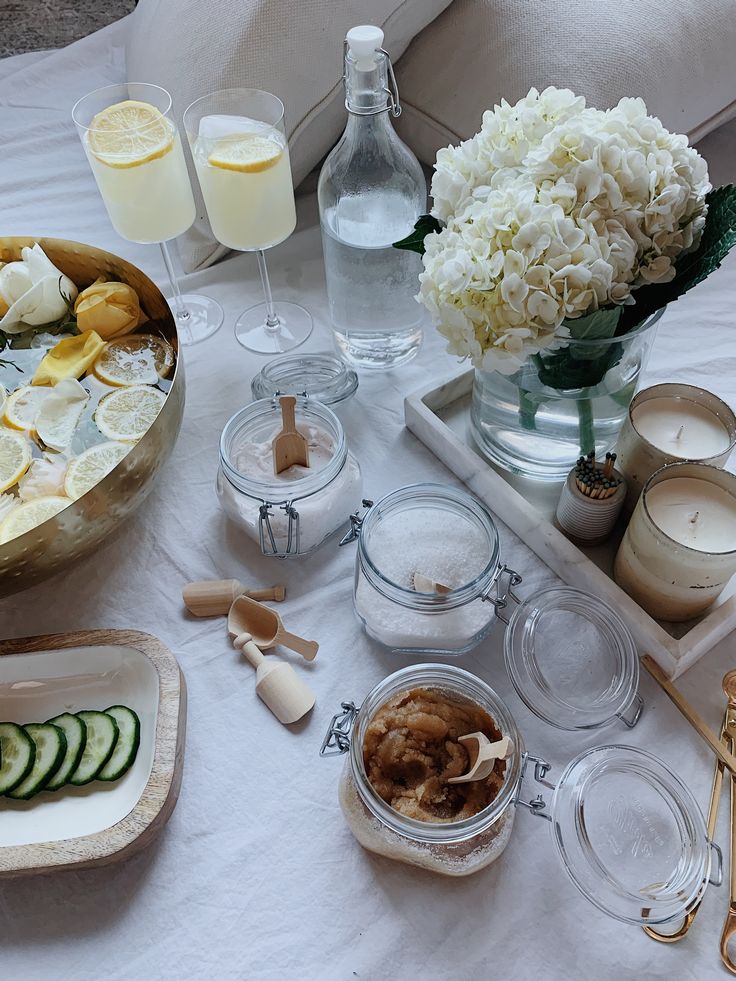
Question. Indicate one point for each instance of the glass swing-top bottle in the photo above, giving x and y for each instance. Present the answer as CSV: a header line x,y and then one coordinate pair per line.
x,y
371,192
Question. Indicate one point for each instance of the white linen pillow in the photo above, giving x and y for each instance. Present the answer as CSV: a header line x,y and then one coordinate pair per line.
x,y
679,57
292,48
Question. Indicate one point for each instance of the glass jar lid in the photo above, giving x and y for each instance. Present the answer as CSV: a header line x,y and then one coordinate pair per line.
x,y
321,376
572,660
631,835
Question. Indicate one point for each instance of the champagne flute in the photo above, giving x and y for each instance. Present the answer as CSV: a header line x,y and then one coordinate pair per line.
x,y
241,156
134,150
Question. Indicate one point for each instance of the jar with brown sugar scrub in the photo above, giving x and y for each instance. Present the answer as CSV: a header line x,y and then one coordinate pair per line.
x,y
402,750
627,831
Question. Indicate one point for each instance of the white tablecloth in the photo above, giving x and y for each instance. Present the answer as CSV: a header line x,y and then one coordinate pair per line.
x,y
256,876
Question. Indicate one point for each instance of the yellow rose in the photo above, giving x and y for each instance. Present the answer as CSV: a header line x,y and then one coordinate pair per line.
x,y
110,309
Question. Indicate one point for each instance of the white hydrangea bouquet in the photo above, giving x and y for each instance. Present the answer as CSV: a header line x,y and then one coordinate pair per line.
x,y
559,222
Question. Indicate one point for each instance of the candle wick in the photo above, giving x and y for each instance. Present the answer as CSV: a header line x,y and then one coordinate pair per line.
x,y
694,517
680,432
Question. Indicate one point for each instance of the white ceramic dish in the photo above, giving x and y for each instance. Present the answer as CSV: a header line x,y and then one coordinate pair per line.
x,y
68,673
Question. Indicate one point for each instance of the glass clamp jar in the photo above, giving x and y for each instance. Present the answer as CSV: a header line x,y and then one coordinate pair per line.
x,y
441,533
629,834
292,513
570,657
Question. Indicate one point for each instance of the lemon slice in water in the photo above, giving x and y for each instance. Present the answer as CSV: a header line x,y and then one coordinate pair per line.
x,y
137,359
15,457
248,153
129,134
88,469
30,515
129,413
22,406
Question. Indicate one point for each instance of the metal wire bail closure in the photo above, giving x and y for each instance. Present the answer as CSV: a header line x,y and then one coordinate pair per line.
x,y
356,523
266,536
337,739
504,580
392,93
537,805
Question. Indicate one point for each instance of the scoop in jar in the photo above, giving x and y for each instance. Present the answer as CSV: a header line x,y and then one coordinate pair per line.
x,y
483,755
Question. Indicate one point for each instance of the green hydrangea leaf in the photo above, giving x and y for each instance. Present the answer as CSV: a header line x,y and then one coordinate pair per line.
x,y
595,326
414,242
719,237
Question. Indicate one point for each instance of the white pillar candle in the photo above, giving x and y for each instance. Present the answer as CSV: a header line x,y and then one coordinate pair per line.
x,y
679,550
670,423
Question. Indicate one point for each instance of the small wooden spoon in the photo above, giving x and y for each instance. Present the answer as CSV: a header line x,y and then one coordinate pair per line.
x,y
277,683
290,447
249,616
214,597
423,584
487,754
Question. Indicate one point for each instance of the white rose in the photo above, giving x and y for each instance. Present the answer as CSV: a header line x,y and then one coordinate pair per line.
x,y
33,287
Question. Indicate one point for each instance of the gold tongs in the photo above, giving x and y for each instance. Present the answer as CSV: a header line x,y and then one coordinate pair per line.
x,y
729,927
728,739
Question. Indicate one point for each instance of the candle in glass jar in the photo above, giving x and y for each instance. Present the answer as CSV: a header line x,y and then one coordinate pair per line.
x,y
681,428
679,550
694,513
668,424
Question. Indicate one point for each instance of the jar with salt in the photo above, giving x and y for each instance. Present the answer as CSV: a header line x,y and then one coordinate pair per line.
x,y
297,510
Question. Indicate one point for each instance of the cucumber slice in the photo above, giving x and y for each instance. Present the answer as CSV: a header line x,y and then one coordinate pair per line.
x,y
50,743
17,753
102,734
76,736
126,748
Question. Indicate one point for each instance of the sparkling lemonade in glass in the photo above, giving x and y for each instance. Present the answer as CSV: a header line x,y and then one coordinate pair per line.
x,y
244,172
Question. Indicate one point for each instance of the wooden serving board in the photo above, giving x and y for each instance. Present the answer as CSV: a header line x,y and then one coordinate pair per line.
x,y
58,654
439,416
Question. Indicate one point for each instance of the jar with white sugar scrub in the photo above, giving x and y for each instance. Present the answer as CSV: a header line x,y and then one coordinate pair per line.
x,y
428,577
297,510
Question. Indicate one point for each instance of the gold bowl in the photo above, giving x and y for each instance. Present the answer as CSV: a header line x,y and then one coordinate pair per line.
x,y
82,526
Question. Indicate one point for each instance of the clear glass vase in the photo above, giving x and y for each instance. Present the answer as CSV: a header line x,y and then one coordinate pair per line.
x,y
561,404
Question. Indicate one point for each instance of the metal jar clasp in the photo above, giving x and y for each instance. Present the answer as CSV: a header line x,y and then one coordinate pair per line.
x,y
537,805
504,580
356,523
337,739
266,536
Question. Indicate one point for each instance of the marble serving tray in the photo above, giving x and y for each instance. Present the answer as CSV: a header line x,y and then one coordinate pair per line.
x,y
440,415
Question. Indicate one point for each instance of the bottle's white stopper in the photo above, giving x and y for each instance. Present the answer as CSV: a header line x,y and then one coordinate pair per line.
x,y
364,41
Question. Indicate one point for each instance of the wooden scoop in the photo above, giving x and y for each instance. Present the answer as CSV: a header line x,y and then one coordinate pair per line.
x,y
289,447
277,683
248,615
423,584
487,754
214,597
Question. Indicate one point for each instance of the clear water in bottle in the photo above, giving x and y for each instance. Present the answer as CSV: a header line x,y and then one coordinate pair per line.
x,y
371,192
374,315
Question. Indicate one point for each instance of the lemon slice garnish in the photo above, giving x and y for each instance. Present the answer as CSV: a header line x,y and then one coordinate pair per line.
x,y
129,413
248,153
129,134
88,469
23,405
137,359
30,515
15,457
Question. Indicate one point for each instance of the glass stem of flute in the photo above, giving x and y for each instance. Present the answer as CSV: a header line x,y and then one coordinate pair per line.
x,y
272,321
182,314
